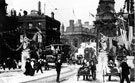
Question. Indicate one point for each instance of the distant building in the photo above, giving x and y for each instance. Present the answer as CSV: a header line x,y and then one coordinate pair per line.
x,y
13,27
49,27
77,33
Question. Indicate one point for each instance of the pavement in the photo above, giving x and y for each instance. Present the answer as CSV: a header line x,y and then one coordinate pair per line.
x,y
17,76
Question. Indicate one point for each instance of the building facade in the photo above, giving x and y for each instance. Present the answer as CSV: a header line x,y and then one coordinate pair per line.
x,y
41,29
49,27
77,33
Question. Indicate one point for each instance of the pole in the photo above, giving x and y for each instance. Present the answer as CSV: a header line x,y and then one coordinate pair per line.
x,y
97,45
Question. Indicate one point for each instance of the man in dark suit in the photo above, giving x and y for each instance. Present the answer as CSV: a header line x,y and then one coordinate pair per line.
x,y
58,64
125,71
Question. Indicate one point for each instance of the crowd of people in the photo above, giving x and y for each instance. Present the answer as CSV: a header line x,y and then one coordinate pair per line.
x,y
33,66
10,64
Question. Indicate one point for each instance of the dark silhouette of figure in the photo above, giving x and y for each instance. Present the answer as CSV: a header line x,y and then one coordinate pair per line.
x,y
46,66
112,66
32,71
3,65
125,71
93,70
9,63
39,66
58,64
28,67
84,64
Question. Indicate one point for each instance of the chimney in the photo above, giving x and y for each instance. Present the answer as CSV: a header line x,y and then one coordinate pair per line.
x,y
52,15
71,23
39,8
79,21
86,23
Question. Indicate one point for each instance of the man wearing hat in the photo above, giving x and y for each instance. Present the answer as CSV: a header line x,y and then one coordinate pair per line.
x,y
125,71
58,64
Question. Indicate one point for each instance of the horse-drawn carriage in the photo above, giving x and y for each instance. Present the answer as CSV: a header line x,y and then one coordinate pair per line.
x,y
89,64
111,70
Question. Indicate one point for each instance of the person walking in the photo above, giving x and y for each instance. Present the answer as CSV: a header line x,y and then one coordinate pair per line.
x,y
58,64
28,67
93,70
125,71
39,66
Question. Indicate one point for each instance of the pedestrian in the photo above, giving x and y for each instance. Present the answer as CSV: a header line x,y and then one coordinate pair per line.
x,y
19,64
28,67
58,64
32,71
3,65
125,71
93,70
39,66
85,66
111,65
46,66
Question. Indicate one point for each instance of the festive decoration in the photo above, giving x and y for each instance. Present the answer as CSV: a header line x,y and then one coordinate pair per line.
x,y
13,48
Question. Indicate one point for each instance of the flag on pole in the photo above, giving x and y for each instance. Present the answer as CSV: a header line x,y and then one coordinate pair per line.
x,y
73,12
90,14
130,36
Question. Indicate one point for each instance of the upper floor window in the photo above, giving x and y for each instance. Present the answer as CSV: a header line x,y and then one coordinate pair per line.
x,y
30,25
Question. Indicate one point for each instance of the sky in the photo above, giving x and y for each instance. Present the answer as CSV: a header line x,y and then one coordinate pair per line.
x,y
64,10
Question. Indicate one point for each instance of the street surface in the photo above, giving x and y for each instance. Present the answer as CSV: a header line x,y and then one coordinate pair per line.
x,y
68,75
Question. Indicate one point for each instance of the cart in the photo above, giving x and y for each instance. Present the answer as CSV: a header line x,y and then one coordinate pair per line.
x,y
83,71
110,71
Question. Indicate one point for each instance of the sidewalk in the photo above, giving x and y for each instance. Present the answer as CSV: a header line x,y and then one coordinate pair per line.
x,y
18,76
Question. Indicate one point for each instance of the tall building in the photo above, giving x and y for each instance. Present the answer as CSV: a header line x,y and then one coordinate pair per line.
x,y
105,17
44,30
49,27
3,6
77,33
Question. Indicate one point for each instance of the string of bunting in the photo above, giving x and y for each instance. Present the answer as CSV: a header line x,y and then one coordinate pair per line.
x,y
13,48
12,31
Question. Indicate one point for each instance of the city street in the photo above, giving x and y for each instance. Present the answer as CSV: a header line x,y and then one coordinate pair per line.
x,y
62,41
68,75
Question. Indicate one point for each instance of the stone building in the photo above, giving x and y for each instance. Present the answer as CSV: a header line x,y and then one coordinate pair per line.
x,y
49,27
11,27
77,33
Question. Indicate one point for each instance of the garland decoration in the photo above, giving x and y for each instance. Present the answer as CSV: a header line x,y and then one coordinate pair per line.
x,y
13,48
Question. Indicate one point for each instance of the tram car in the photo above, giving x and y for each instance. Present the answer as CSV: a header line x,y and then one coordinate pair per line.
x,y
51,51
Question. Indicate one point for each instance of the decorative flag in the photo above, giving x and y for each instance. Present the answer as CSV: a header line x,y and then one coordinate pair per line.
x,y
39,37
130,34
90,14
73,12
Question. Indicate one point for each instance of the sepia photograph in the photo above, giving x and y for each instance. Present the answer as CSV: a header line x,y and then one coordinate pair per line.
x,y
67,41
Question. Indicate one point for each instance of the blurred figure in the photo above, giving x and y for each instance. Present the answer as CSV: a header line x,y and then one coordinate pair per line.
x,y
19,64
3,65
58,64
27,67
84,64
93,70
32,72
125,71
39,66
46,66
